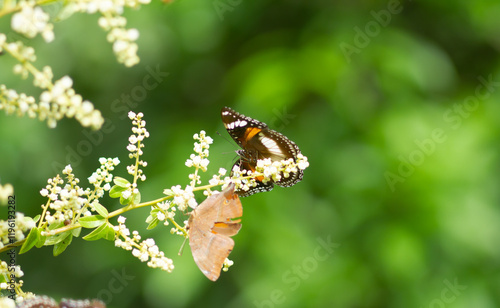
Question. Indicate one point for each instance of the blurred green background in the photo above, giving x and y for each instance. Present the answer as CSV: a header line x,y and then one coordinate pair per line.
x,y
394,103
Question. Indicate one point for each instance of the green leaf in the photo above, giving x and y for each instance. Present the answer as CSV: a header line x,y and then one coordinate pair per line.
x,y
76,232
121,182
105,231
41,240
91,222
54,239
127,201
136,198
61,246
152,215
116,191
153,224
110,232
30,241
95,234
36,218
56,225
101,210
168,192
66,12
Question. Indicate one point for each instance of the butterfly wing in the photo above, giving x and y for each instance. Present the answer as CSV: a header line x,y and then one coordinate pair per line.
x,y
240,127
259,142
209,252
210,228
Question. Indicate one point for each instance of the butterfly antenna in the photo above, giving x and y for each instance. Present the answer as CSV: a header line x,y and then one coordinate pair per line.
x,y
225,138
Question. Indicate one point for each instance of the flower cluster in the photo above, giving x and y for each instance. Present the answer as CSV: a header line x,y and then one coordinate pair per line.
x,y
7,302
200,159
123,40
114,23
11,230
166,211
65,201
135,148
201,148
217,179
7,283
268,169
70,201
136,144
5,191
62,101
182,197
19,104
103,175
227,264
146,250
32,20
30,300
57,101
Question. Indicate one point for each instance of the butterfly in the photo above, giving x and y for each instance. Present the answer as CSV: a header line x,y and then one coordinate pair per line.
x,y
259,142
210,227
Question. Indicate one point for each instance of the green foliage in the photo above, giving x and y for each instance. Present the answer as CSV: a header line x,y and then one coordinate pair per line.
x,y
31,240
92,221
404,162
103,231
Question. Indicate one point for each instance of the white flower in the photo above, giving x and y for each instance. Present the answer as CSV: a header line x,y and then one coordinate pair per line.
x,y
67,170
32,20
160,216
136,252
149,242
133,34
126,194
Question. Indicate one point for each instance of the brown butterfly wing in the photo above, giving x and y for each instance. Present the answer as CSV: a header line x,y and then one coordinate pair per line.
x,y
210,226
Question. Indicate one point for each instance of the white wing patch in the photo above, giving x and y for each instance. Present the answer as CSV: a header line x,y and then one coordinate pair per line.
x,y
237,123
270,144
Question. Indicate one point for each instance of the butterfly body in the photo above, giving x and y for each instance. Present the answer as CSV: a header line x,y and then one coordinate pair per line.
x,y
210,226
258,142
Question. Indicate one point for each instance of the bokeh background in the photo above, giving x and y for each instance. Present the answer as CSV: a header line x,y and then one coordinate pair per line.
x,y
395,103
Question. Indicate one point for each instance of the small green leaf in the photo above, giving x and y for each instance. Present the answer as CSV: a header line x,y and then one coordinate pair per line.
x,y
54,239
76,232
30,241
127,201
56,225
168,192
95,234
36,218
121,182
153,224
105,231
152,215
116,191
41,240
101,210
66,12
110,232
92,221
136,198
62,245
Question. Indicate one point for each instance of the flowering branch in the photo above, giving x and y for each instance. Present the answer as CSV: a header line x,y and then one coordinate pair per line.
x,y
71,208
59,99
